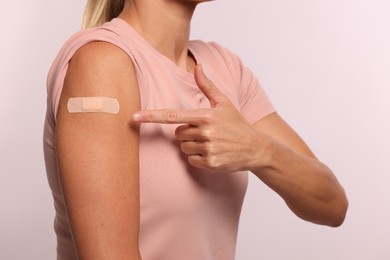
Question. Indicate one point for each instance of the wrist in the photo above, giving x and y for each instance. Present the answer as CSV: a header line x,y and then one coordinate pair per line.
x,y
264,156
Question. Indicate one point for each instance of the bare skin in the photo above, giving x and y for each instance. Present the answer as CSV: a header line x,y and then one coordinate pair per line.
x,y
167,31
98,153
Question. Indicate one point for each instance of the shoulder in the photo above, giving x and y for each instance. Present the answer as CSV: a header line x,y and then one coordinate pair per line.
x,y
101,34
220,61
217,54
93,61
210,46
100,67
213,48
93,53
100,55
107,33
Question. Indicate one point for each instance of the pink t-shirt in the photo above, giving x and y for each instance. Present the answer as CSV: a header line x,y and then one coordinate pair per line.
x,y
186,213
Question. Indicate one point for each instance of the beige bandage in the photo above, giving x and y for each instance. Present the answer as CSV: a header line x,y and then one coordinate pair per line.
x,y
93,104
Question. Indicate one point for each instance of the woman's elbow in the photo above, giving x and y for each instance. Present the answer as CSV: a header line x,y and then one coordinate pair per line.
x,y
336,211
340,211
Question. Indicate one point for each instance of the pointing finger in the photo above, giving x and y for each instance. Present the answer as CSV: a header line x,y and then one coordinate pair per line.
x,y
172,116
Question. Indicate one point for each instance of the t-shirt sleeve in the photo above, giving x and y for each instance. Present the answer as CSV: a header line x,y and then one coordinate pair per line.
x,y
253,100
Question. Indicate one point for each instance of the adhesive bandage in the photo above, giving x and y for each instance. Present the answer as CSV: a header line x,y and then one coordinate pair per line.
x,y
93,105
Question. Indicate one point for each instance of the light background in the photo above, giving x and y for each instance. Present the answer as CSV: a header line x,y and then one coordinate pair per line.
x,y
324,64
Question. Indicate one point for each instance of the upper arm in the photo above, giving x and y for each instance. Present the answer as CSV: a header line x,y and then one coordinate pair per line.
x,y
277,128
98,154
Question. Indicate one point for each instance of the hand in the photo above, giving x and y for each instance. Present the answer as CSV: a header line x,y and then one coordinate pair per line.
x,y
219,139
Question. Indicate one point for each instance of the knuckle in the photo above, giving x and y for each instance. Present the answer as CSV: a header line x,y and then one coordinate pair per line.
x,y
148,117
169,116
212,164
209,148
208,117
206,133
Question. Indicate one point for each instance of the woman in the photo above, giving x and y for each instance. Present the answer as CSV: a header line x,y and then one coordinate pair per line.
x,y
148,138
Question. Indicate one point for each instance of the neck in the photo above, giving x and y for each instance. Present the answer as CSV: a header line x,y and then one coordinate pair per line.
x,y
165,24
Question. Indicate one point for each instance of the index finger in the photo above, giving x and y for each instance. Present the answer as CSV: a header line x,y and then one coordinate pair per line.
x,y
170,116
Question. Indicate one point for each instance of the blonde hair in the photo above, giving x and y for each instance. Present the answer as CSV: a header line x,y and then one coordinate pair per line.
x,y
97,12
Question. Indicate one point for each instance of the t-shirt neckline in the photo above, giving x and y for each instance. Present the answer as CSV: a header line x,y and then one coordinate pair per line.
x,y
122,24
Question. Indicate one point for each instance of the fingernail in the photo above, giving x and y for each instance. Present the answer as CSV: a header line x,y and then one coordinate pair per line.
x,y
137,117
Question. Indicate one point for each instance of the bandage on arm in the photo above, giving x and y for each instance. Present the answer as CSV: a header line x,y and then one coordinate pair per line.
x,y
93,105
98,152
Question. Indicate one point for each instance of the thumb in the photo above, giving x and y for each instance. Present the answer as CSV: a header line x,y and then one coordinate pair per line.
x,y
213,94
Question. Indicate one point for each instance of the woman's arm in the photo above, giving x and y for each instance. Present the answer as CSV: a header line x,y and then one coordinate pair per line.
x,y
98,155
307,186
220,139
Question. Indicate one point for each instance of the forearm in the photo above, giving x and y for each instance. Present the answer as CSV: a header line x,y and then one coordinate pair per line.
x,y
308,186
